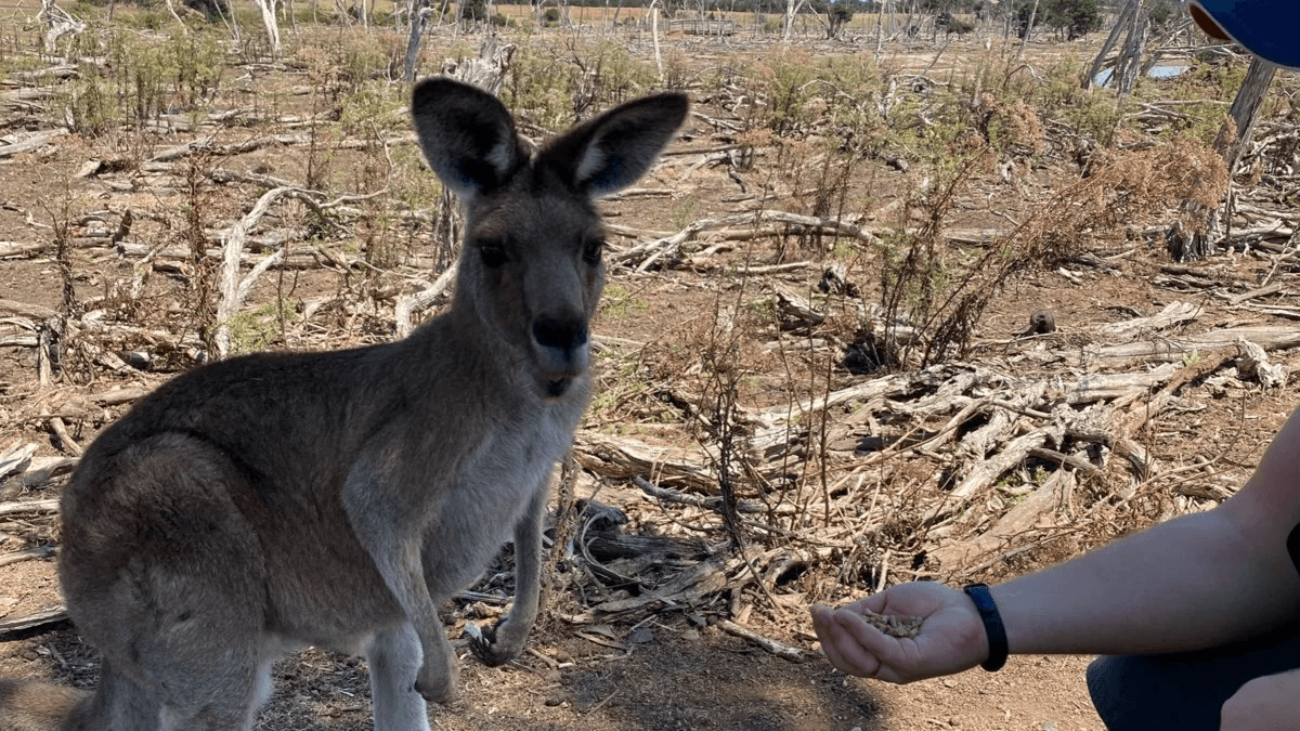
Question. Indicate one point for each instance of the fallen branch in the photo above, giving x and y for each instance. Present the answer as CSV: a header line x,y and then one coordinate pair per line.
x,y
1176,349
28,507
408,305
43,620
1017,521
28,144
234,290
780,649
13,248
622,458
645,255
40,552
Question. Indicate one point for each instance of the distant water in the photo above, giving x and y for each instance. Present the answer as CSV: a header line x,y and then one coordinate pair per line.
x,y
1156,72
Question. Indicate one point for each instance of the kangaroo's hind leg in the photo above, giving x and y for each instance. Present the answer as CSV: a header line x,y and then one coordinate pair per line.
x,y
395,658
164,575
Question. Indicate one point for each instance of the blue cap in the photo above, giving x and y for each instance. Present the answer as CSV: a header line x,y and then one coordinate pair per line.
x,y
1266,28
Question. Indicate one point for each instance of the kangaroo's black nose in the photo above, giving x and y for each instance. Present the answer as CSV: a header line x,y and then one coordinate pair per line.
x,y
562,334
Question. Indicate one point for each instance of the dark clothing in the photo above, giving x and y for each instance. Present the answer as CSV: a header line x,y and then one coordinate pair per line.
x,y
1186,691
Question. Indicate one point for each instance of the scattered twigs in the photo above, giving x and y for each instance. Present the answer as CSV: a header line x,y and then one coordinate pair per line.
x,y
30,554
780,649
29,507
647,254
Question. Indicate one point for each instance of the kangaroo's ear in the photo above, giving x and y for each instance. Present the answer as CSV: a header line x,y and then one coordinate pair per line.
x,y
609,153
467,135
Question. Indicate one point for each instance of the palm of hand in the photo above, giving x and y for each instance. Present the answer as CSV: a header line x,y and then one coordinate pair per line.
x,y
951,638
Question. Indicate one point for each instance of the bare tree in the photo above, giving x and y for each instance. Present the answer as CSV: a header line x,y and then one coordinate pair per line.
x,y
1233,138
1128,67
1122,22
792,8
271,23
1029,28
60,23
419,12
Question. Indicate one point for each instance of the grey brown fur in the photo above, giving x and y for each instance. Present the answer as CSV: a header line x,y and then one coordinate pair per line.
x,y
337,499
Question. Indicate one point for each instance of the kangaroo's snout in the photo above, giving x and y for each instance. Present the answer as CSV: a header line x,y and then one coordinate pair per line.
x,y
563,349
565,335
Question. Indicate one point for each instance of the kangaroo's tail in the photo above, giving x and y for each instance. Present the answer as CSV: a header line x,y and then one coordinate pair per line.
x,y
28,705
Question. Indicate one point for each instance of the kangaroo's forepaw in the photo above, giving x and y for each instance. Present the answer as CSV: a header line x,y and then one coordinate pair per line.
x,y
486,646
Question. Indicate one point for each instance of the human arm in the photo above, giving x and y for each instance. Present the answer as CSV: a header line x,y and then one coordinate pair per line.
x,y
1270,703
1190,583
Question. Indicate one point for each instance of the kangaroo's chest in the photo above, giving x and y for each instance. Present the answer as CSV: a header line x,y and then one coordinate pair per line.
x,y
492,490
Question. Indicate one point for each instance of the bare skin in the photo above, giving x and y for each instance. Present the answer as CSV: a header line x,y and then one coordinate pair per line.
x,y
1195,582
1264,704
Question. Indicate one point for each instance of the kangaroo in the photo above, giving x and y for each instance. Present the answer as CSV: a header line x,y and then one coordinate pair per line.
x,y
338,499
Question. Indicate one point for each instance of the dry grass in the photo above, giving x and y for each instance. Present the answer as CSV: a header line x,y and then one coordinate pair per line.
x,y
700,345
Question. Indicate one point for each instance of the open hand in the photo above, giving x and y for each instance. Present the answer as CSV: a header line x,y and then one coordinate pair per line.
x,y
951,639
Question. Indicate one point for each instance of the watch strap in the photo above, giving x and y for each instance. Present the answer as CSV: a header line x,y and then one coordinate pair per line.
x,y
993,627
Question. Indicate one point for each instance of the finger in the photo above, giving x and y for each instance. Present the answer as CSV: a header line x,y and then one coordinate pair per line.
x,y
821,614
840,648
887,660
850,657
827,635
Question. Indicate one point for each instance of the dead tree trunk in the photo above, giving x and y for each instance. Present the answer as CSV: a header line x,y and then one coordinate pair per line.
x,y
654,34
1128,67
419,15
1232,140
880,29
1122,22
60,24
1029,28
271,23
792,8
1245,111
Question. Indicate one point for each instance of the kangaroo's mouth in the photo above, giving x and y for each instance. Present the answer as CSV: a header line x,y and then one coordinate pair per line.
x,y
555,388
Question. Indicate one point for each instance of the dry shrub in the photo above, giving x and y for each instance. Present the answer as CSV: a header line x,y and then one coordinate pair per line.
x,y
1012,127
926,280
1133,187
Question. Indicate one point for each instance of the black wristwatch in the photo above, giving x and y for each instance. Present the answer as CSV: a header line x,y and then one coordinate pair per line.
x,y
997,633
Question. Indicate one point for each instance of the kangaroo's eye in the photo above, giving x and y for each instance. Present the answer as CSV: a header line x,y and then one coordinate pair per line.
x,y
591,251
494,255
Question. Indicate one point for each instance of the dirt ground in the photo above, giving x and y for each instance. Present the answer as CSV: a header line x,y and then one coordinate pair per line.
x,y
671,669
